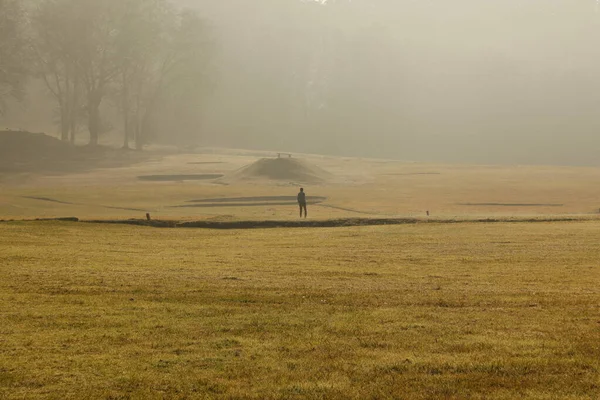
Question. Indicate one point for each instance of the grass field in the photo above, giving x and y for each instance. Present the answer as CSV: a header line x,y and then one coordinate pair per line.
x,y
425,311
358,187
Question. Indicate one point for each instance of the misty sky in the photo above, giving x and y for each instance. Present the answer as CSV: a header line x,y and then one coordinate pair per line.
x,y
486,81
470,80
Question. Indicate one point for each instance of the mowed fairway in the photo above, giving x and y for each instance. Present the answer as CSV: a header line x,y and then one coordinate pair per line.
x,y
425,311
353,188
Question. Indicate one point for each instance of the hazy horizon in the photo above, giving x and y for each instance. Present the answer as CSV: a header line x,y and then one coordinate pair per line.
x,y
465,81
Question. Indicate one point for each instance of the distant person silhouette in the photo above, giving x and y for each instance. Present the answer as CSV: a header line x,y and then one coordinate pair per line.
x,y
302,202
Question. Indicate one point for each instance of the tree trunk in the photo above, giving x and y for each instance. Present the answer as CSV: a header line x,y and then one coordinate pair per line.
x,y
66,110
137,121
73,120
74,112
94,100
94,125
126,132
125,112
139,143
144,124
72,131
135,130
64,123
143,131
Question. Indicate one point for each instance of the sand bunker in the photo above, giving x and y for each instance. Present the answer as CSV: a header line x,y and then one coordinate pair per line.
x,y
251,201
413,173
178,178
283,169
313,199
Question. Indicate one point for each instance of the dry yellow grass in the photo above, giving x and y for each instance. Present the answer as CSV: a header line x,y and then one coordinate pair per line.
x,y
428,311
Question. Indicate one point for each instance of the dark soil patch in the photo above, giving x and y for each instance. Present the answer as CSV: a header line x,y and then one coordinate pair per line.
x,y
510,205
178,178
260,224
332,223
61,219
138,222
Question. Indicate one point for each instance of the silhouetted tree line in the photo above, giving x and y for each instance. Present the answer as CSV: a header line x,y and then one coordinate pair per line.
x,y
13,42
294,67
142,56
361,77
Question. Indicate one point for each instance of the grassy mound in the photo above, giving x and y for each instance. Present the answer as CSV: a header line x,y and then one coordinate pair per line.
x,y
22,151
283,169
25,150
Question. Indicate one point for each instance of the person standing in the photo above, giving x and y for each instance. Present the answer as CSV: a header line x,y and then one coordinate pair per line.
x,y
302,202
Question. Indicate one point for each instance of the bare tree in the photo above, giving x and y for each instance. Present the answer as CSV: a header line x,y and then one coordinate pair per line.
x,y
56,32
162,55
78,56
139,41
96,56
143,52
13,46
182,77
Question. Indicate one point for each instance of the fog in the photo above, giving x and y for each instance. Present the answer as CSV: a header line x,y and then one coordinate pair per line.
x,y
469,81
